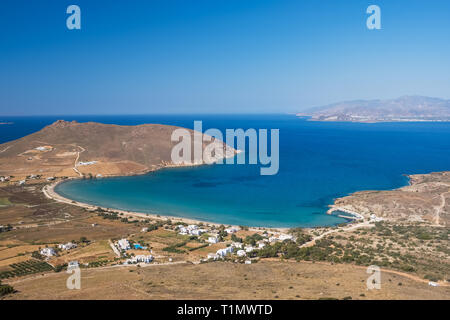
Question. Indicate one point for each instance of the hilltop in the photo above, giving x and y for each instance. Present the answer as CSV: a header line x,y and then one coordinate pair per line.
x,y
406,108
74,149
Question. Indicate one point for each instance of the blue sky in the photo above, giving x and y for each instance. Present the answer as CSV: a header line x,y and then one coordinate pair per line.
x,y
217,56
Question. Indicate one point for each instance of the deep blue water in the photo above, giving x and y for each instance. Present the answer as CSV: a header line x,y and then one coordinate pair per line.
x,y
318,162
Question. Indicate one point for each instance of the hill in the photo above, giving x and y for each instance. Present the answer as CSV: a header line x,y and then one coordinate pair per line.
x,y
72,148
406,108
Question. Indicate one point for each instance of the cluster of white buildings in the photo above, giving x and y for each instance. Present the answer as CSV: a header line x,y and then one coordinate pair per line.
x,y
140,259
242,251
4,178
191,229
48,252
67,246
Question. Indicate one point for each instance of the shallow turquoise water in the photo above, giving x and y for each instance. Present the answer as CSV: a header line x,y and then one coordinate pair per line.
x,y
318,162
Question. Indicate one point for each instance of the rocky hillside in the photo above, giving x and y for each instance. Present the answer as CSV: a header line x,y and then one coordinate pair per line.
x,y
427,198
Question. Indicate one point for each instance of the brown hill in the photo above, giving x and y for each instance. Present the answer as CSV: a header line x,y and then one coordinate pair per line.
x,y
71,148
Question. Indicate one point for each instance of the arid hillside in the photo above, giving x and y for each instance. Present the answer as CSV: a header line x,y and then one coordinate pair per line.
x,y
427,198
72,148
406,108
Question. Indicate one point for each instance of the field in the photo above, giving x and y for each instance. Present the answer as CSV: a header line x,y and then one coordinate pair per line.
x,y
224,280
410,255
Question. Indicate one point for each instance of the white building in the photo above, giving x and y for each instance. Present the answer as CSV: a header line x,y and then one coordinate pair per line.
x,y
50,178
283,237
197,232
72,265
224,252
213,239
124,244
249,249
48,252
87,163
21,182
237,245
67,246
231,230
374,218
140,258
213,256
261,245
273,239
241,253
182,230
433,284
248,261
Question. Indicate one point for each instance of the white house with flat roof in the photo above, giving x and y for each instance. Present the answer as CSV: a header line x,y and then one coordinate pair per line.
x,y
213,256
283,237
48,252
224,252
67,246
140,259
124,244
197,232
231,230
241,253
213,239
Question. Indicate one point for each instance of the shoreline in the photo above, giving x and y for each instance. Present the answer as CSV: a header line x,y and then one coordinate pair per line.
x,y
50,193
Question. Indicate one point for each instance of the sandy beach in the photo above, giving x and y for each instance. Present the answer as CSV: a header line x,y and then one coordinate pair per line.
x,y
49,192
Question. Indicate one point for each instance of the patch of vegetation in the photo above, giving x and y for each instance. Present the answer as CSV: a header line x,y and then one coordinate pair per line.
x,y
5,289
26,268
5,202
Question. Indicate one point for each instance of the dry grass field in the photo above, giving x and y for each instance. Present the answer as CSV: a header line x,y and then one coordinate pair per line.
x,y
224,280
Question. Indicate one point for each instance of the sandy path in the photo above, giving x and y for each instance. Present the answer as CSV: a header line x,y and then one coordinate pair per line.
x,y
440,208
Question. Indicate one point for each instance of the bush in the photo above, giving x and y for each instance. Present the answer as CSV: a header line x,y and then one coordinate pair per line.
x,y
5,289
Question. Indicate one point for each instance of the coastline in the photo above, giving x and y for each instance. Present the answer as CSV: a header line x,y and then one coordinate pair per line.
x,y
353,217
49,192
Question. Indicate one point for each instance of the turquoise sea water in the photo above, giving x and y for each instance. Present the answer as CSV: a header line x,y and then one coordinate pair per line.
x,y
318,162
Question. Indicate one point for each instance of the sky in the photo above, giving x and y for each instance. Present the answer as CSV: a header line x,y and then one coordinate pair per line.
x,y
217,56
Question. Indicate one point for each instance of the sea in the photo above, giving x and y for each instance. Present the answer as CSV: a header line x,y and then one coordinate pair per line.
x,y
318,162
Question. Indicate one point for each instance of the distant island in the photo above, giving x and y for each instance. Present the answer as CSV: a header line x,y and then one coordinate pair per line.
x,y
403,109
